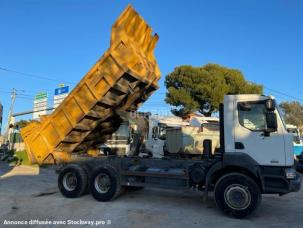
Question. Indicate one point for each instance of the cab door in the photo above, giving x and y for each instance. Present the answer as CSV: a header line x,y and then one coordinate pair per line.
x,y
250,136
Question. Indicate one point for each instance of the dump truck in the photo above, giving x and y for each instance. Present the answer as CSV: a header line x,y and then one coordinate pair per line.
x,y
121,80
255,155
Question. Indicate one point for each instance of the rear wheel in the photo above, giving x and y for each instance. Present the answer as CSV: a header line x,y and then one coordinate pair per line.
x,y
104,184
73,181
237,195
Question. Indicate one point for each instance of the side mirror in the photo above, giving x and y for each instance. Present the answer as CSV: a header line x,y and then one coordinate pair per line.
x,y
272,124
270,105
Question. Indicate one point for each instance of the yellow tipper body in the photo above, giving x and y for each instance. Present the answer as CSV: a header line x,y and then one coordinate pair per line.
x,y
121,80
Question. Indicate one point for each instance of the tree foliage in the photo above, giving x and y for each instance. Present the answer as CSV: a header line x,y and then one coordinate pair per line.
x,y
191,89
293,112
21,124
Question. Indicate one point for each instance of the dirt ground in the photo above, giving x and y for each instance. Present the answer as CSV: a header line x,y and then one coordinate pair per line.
x,y
29,194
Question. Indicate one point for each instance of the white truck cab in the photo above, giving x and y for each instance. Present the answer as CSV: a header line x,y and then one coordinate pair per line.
x,y
248,129
255,139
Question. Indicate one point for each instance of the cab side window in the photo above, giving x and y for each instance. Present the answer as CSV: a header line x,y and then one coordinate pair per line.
x,y
252,115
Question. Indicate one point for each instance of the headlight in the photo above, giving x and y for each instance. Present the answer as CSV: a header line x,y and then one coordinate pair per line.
x,y
290,173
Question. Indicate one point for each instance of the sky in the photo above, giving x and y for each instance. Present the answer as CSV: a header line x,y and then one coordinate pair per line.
x,y
62,39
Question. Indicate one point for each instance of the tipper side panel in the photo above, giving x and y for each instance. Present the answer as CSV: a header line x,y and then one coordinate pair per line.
x,y
123,78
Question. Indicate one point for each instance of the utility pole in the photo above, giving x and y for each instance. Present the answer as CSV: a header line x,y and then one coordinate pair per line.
x,y
13,96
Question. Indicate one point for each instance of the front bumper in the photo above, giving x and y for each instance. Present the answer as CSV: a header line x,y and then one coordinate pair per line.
x,y
299,163
275,181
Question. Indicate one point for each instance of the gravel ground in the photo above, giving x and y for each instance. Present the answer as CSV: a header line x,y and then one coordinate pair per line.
x,y
29,193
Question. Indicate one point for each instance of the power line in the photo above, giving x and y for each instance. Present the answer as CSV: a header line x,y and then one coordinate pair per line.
x,y
32,92
33,75
1,91
25,98
284,94
159,92
273,90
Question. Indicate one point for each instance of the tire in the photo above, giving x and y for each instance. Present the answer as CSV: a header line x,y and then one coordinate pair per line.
x,y
73,181
104,184
237,195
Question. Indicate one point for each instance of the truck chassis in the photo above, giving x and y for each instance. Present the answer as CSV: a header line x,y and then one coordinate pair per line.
x,y
236,179
237,190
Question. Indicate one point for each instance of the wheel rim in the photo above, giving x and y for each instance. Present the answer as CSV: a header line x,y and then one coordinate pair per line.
x,y
237,197
70,181
102,183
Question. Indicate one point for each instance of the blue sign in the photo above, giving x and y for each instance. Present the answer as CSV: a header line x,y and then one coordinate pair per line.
x,y
61,90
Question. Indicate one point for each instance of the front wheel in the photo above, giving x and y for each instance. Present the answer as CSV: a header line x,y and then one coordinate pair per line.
x,y
237,195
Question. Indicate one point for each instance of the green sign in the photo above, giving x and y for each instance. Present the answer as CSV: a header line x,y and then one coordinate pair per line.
x,y
41,95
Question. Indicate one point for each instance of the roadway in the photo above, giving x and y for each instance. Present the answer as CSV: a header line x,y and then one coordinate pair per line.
x,y
29,193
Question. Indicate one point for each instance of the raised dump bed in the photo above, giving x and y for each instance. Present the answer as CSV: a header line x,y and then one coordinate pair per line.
x,y
121,80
